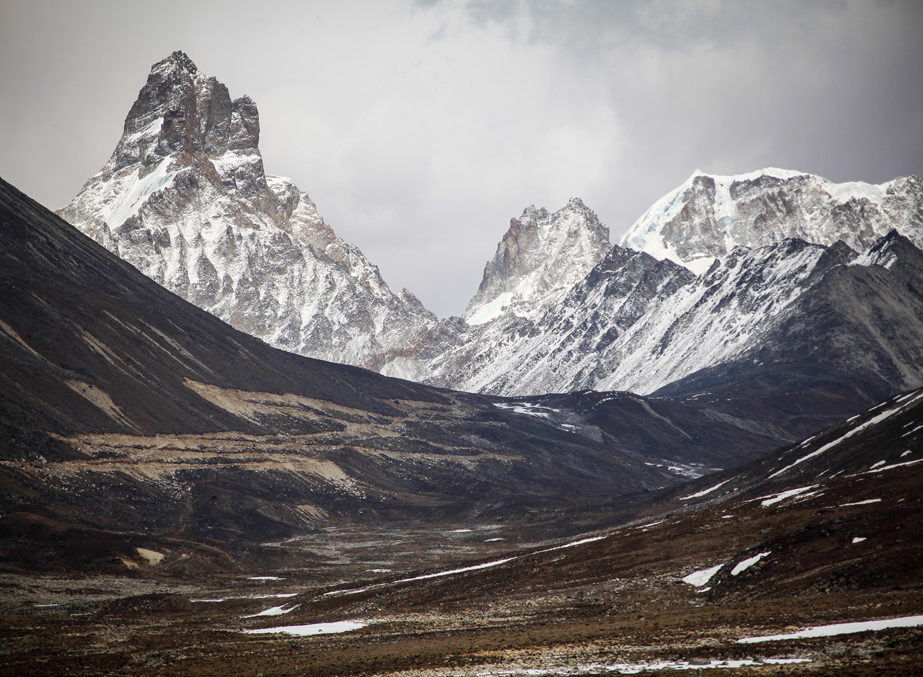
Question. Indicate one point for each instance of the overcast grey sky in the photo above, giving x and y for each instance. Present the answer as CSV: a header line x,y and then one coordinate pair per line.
x,y
420,128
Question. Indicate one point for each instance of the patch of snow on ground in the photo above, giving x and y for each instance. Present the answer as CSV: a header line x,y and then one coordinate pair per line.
x,y
699,578
840,629
866,502
315,629
704,492
476,567
896,465
875,465
264,578
778,498
747,563
858,539
571,545
620,668
274,611
523,408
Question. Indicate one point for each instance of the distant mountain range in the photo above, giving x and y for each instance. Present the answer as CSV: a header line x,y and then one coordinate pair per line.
x,y
775,278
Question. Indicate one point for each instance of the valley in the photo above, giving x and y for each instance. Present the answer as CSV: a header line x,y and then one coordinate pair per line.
x,y
458,601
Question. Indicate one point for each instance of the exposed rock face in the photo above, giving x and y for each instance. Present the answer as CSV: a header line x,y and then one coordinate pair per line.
x,y
538,260
184,198
708,216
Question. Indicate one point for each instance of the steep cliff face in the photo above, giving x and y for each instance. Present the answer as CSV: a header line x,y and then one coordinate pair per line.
x,y
539,259
185,199
708,216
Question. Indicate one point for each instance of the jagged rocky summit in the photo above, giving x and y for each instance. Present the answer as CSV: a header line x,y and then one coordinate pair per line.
x,y
185,199
540,258
709,215
806,284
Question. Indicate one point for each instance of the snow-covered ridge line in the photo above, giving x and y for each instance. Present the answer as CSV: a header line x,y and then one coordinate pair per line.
x,y
709,215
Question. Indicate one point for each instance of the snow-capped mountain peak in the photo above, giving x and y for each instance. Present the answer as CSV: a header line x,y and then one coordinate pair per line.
x,y
708,215
185,199
540,258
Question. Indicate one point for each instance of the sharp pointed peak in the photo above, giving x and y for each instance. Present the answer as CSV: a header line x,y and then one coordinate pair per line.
x,y
177,59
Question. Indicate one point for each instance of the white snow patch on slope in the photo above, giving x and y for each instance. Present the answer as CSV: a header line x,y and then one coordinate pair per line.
x,y
840,629
492,310
315,629
896,465
747,563
704,492
781,496
871,500
274,611
700,578
138,191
